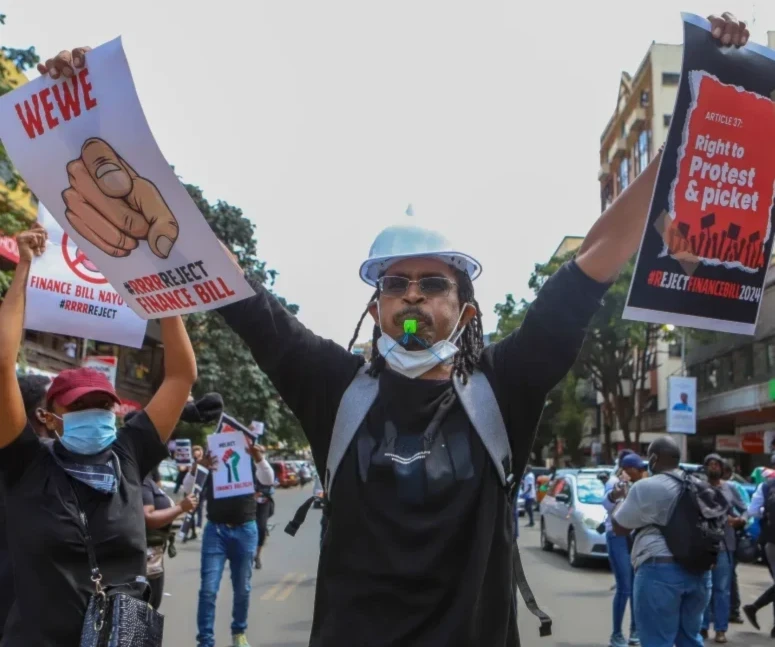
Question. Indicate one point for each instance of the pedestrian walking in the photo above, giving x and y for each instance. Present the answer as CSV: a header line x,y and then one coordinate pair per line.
x,y
619,551
230,535
763,507
529,494
160,511
82,489
742,501
718,608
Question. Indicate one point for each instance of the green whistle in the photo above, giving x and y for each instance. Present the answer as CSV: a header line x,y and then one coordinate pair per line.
x,y
410,326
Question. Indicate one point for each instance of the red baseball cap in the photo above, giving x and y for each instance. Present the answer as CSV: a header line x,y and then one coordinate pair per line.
x,y
75,383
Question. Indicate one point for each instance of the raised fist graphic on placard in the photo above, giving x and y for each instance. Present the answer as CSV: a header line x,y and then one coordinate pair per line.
x,y
112,207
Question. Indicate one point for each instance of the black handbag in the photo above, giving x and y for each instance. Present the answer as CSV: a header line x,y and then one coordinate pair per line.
x,y
115,617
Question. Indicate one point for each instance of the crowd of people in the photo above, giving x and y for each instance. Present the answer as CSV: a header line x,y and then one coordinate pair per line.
x,y
423,449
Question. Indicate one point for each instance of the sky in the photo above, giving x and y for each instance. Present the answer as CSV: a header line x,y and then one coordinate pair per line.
x,y
324,120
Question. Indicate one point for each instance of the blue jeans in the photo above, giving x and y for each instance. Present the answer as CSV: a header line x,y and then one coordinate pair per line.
x,y
717,609
238,544
619,558
669,603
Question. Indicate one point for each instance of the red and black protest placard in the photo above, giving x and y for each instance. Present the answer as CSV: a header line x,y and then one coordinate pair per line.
x,y
707,244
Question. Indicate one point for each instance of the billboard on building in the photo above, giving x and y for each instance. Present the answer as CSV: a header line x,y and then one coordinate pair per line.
x,y
682,405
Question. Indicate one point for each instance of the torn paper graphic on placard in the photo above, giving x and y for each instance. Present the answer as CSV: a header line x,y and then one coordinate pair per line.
x,y
721,197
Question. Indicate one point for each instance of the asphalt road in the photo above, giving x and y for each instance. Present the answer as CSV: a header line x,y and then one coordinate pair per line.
x,y
579,600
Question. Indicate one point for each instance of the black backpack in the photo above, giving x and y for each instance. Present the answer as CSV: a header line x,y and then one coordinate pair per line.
x,y
696,529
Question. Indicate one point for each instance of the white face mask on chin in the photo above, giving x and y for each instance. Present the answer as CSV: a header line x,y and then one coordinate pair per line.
x,y
414,363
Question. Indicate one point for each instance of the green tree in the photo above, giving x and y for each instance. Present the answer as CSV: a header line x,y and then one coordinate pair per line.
x,y
568,422
225,364
12,218
616,357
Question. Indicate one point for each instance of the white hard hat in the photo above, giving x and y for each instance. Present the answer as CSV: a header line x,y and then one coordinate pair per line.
x,y
409,241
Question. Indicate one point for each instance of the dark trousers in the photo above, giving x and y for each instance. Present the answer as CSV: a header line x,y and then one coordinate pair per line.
x,y
768,597
529,505
157,591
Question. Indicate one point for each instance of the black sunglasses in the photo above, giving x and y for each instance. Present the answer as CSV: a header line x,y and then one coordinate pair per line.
x,y
431,286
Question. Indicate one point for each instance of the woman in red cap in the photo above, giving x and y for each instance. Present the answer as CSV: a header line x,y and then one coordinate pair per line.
x,y
92,466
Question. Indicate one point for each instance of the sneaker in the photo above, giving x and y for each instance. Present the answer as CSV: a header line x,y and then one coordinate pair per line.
x,y
634,640
258,563
240,640
750,612
721,637
736,619
617,640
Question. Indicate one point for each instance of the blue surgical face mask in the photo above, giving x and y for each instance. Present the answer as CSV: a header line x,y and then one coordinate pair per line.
x,y
89,432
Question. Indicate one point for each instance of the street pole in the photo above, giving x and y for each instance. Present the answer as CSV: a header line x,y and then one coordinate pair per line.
x,y
684,437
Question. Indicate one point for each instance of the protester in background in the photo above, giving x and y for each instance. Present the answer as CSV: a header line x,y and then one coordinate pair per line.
x,y
231,534
160,511
745,500
92,466
529,494
668,600
619,555
718,607
763,507
264,505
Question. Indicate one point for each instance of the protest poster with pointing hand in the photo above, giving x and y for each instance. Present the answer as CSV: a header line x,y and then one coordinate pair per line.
x,y
82,144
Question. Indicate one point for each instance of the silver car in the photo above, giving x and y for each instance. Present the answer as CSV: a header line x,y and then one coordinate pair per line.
x,y
572,515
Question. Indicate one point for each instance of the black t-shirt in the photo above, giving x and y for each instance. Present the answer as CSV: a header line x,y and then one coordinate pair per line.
x,y
7,595
46,540
418,550
155,496
232,510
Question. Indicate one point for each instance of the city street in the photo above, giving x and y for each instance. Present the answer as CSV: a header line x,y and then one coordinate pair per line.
x,y
579,600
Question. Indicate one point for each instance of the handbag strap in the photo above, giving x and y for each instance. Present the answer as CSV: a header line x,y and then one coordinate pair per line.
x,y
96,575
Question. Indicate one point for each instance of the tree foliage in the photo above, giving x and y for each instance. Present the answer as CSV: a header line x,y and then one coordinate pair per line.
x,y
225,364
617,355
12,218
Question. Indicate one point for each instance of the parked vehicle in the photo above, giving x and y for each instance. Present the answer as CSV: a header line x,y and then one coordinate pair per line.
x,y
168,469
285,476
571,513
317,492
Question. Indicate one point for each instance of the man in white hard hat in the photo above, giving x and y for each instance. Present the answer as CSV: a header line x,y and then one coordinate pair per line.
x,y
419,547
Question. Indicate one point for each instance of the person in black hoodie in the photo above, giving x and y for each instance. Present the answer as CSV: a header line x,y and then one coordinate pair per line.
x,y
419,544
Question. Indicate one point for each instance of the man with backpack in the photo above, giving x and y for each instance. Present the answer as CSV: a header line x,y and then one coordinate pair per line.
x,y
679,523
763,507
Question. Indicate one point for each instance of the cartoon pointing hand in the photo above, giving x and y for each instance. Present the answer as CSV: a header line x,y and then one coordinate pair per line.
x,y
112,207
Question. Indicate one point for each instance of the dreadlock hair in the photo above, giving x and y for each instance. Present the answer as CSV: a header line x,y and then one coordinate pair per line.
x,y
471,342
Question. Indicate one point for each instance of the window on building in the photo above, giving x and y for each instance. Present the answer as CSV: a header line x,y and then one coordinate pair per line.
x,y
760,366
666,119
622,130
624,174
642,151
742,365
644,98
670,78
674,349
135,365
771,355
606,196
